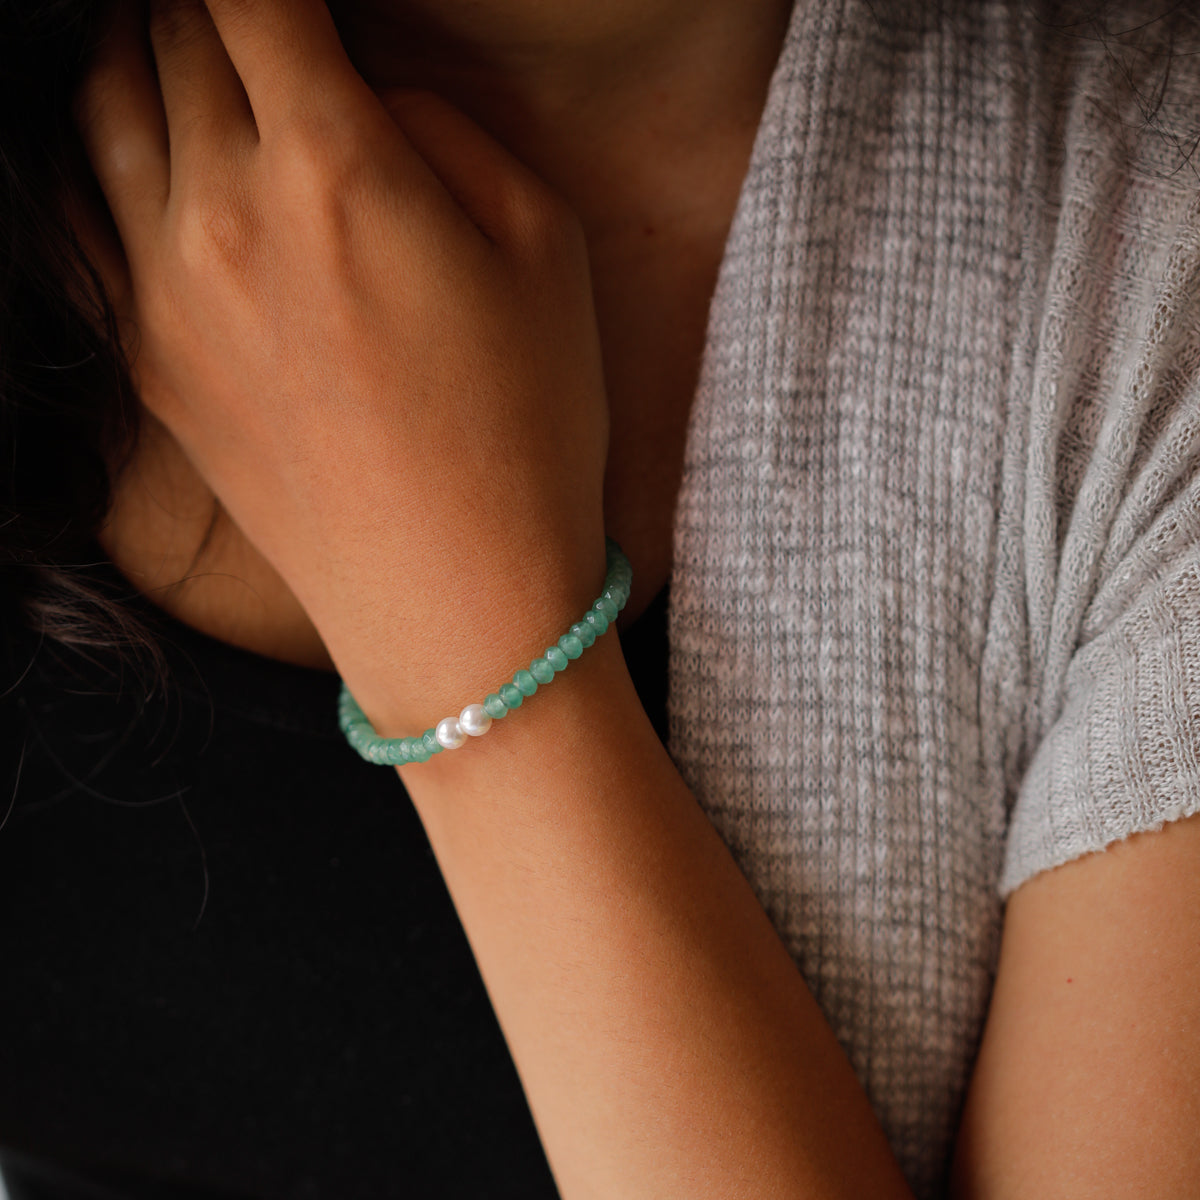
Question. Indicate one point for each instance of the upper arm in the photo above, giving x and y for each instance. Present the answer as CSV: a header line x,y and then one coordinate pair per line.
x,y
1088,1079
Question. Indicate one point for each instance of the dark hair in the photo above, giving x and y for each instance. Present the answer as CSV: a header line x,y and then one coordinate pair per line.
x,y
68,415
1142,40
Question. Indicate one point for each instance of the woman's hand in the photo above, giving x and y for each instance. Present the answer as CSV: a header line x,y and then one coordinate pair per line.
x,y
371,332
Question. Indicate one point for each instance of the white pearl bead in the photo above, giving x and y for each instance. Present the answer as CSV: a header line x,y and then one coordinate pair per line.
x,y
449,733
474,720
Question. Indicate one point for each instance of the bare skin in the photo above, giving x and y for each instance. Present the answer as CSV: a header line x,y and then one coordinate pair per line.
x,y
666,1042
642,117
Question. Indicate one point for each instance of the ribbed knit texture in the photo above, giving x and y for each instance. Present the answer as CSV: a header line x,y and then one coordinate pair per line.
x,y
936,602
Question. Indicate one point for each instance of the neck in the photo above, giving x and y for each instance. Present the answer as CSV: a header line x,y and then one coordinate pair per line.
x,y
552,49
587,92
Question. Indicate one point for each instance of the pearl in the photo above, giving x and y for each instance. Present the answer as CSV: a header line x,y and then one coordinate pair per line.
x,y
474,720
449,733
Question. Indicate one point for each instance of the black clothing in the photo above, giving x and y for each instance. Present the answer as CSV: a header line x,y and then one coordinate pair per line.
x,y
230,966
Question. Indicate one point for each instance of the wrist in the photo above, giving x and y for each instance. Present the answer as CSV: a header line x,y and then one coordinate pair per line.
x,y
369,726
591,712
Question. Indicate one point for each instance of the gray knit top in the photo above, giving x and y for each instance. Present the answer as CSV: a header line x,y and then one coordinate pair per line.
x,y
935,609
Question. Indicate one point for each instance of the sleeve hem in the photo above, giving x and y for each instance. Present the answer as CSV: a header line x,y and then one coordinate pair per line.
x,y
1025,862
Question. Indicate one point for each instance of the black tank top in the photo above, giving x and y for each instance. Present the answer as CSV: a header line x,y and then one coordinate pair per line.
x,y
230,966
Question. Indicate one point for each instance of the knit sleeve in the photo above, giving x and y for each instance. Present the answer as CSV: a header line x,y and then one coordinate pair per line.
x,y
1112,534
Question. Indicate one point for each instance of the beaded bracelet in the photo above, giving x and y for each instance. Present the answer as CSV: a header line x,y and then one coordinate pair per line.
x,y
476,719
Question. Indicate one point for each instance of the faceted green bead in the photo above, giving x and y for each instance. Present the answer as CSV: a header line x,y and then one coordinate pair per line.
x,y
494,706
584,632
419,753
541,670
607,607
512,695
598,621
525,681
430,742
570,645
556,658
400,752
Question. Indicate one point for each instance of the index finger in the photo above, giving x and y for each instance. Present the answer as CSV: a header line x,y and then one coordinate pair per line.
x,y
119,113
284,51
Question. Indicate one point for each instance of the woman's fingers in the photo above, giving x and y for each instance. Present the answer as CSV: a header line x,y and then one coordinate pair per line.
x,y
289,58
205,102
504,199
120,116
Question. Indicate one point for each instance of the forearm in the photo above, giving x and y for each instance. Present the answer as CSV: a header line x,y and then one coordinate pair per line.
x,y
667,1043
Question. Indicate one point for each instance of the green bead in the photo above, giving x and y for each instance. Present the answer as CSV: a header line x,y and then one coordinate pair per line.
x,y
607,607
570,645
556,658
399,751
512,695
417,752
598,621
430,742
525,682
541,670
494,706
584,632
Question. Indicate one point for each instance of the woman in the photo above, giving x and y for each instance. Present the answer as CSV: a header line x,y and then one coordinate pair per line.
x,y
931,527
